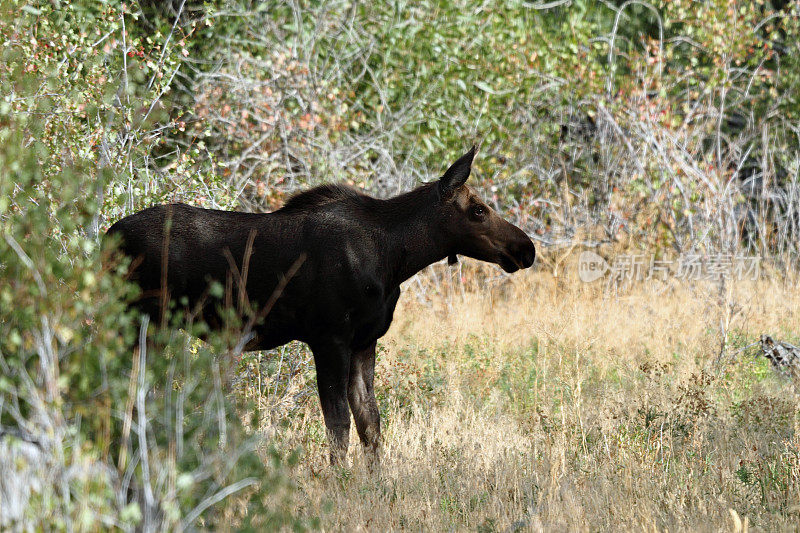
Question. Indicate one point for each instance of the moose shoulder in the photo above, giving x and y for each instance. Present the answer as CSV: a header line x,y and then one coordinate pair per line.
x,y
325,269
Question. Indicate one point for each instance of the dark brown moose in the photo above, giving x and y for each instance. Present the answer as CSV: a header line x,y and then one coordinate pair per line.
x,y
325,269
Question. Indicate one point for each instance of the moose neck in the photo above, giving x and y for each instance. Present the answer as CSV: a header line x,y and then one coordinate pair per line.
x,y
416,236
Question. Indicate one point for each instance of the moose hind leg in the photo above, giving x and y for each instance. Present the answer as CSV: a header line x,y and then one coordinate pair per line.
x,y
361,395
333,367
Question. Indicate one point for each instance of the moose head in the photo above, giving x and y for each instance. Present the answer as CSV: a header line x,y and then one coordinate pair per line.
x,y
475,229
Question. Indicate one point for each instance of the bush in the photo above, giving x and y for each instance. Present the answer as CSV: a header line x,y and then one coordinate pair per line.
x,y
95,434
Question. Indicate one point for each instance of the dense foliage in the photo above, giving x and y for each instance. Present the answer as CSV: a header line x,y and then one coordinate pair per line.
x,y
91,432
670,124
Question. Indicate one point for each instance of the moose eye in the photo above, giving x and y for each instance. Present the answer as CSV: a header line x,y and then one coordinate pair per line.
x,y
478,211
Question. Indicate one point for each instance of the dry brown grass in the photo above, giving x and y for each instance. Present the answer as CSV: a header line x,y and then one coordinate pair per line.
x,y
540,403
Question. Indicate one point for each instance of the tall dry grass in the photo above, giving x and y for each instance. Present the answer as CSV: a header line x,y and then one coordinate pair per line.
x,y
535,402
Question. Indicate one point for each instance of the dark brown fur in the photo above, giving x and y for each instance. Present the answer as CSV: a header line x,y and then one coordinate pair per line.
x,y
346,255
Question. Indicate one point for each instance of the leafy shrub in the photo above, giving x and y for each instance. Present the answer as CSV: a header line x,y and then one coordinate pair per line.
x,y
95,434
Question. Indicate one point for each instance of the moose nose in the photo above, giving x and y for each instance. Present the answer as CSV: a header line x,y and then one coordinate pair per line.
x,y
527,254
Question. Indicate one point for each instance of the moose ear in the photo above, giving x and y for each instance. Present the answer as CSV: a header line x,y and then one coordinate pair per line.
x,y
458,173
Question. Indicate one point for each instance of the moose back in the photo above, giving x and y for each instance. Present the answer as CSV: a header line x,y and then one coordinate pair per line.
x,y
325,269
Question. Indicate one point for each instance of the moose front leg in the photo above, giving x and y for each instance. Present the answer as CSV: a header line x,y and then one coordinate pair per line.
x,y
361,394
333,367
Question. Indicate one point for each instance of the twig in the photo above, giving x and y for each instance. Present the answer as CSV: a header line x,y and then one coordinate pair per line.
x,y
217,497
149,501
